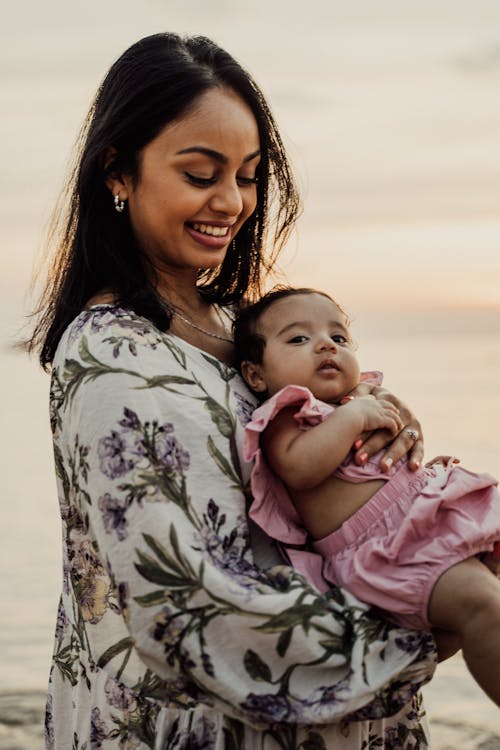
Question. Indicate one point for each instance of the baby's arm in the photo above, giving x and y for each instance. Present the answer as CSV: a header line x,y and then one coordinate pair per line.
x,y
305,458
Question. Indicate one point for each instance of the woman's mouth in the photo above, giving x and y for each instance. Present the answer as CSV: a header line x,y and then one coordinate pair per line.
x,y
211,229
212,236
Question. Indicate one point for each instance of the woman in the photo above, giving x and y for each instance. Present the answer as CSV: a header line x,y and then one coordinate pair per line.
x,y
169,635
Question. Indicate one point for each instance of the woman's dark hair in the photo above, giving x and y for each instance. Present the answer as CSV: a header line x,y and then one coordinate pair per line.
x,y
153,83
249,344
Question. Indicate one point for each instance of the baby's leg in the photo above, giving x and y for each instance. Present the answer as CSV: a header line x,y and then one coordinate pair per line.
x,y
466,600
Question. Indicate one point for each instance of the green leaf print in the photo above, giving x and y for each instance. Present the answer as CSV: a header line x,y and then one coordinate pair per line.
x,y
300,614
222,462
160,381
220,417
284,641
117,648
256,668
160,596
151,571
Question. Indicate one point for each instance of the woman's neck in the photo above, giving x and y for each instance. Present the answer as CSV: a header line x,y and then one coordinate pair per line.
x,y
195,320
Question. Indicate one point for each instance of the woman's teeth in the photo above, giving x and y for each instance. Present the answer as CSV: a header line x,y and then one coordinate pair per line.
x,y
208,229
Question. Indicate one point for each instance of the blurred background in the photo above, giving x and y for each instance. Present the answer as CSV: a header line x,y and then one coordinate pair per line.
x,y
391,114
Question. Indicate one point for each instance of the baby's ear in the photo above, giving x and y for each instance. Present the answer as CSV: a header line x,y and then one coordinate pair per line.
x,y
252,374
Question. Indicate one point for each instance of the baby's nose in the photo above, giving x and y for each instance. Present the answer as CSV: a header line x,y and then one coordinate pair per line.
x,y
327,343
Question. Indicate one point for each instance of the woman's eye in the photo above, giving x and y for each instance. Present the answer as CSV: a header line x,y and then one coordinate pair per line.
x,y
247,181
199,181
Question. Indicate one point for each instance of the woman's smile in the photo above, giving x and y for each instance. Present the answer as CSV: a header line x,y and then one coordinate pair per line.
x,y
215,236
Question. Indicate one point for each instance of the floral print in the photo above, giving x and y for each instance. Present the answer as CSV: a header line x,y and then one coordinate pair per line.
x,y
169,634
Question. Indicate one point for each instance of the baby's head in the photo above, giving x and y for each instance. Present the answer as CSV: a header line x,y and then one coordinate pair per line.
x,y
296,337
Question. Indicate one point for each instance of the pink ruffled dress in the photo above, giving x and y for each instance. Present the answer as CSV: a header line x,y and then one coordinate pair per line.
x,y
391,551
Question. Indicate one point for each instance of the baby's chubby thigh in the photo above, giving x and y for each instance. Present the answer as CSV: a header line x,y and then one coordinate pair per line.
x,y
465,596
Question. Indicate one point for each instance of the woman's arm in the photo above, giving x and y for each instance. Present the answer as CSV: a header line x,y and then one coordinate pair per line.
x,y
159,499
395,447
304,459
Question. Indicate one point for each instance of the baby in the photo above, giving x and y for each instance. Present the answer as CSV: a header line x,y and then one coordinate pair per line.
x,y
404,541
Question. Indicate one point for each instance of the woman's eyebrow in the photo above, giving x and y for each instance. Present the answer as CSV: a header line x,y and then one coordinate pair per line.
x,y
216,155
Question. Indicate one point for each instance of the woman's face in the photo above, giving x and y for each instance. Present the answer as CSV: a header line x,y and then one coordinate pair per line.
x,y
196,184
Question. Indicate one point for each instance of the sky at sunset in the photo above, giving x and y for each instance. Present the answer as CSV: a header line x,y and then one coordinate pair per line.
x,y
390,111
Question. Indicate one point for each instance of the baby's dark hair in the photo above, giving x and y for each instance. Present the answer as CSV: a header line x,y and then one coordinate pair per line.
x,y
248,343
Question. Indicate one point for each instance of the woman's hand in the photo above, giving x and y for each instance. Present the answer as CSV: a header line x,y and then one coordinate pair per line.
x,y
407,441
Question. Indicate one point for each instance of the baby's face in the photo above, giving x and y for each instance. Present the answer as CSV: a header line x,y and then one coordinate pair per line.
x,y
307,343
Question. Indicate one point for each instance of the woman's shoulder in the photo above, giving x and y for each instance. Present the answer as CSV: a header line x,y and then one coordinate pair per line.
x,y
110,331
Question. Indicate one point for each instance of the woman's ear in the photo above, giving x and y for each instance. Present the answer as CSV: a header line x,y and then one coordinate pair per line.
x,y
116,182
253,375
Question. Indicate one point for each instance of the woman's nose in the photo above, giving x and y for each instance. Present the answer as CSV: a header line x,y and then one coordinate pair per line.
x,y
227,199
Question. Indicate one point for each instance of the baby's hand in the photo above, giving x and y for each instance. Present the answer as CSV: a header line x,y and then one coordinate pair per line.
x,y
375,414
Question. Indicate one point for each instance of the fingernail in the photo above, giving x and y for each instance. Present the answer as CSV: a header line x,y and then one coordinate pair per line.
x,y
363,457
388,462
358,443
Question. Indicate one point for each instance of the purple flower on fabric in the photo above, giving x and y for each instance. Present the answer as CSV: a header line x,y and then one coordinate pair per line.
x,y
270,708
119,696
169,451
112,459
416,642
130,420
113,516
97,729
244,409
61,623
325,696
228,552
49,723
95,315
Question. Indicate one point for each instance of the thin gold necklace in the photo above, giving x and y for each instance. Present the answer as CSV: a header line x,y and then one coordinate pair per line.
x,y
200,329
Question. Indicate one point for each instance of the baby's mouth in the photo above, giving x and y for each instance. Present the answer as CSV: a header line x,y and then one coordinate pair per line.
x,y
328,365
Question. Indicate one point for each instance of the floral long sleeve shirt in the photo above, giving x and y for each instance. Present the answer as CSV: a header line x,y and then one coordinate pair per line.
x,y
169,635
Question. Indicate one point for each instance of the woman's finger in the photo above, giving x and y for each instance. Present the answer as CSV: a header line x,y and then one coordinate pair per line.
x,y
408,441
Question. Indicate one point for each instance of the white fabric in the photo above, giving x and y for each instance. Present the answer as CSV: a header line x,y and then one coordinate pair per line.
x,y
168,635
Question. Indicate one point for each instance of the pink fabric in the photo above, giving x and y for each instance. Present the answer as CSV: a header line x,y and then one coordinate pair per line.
x,y
391,551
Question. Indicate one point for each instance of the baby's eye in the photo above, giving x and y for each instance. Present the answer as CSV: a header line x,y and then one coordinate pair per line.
x,y
338,338
299,339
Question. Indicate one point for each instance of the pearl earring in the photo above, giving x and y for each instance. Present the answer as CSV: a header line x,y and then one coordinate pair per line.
x,y
119,205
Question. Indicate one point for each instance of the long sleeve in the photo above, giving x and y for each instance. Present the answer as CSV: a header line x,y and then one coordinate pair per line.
x,y
159,570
